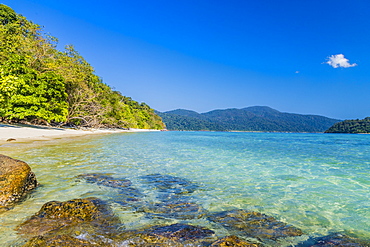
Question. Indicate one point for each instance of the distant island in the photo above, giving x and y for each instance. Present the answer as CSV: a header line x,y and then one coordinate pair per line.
x,y
351,127
42,85
255,118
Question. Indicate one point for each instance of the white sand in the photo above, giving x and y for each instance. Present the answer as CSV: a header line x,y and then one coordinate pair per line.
x,y
12,133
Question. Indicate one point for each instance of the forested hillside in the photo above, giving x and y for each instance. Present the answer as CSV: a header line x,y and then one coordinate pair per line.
x,y
351,126
40,84
257,118
188,120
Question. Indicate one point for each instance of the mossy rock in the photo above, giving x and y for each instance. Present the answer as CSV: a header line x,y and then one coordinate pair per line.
x,y
253,224
90,216
233,241
16,180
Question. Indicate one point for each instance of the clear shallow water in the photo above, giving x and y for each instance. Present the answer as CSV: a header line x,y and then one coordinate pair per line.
x,y
319,183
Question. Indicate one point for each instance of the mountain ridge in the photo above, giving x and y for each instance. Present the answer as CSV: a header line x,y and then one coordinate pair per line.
x,y
254,118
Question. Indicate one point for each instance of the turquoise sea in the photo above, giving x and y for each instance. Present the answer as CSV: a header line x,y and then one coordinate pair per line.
x,y
319,183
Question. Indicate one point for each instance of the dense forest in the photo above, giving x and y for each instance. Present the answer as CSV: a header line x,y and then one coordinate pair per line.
x,y
181,121
256,118
42,85
351,126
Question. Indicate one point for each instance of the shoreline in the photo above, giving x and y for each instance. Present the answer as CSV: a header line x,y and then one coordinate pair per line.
x,y
29,133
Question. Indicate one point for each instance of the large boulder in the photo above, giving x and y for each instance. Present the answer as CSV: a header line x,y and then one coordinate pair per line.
x,y
16,180
56,216
89,219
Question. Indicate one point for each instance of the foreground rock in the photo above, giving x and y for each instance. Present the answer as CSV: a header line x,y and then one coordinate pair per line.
x,y
76,220
16,180
253,224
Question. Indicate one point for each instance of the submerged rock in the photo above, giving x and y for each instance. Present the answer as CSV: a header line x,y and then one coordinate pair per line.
x,y
335,239
170,184
176,209
182,232
254,224
59,240
170,235
125,194
105,180
89,217
16,180
147,240
232,241
130,197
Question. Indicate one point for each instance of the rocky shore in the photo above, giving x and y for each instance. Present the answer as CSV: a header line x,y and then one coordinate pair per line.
x,y
91,222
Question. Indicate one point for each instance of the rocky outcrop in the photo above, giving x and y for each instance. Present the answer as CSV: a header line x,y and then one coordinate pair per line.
x,y
168,214
90,222
89,219
77,213
16,180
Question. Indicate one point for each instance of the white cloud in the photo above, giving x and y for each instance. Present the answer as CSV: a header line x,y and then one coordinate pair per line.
x,y
339,60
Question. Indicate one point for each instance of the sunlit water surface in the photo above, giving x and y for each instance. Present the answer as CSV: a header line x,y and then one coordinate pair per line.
x,y
317,182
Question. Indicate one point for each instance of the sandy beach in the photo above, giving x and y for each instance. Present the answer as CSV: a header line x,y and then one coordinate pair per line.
x,y
29,133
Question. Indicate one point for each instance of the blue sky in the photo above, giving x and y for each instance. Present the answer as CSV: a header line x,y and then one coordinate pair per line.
x,y
308,57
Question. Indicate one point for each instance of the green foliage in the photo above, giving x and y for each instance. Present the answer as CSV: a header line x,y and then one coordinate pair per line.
x,y
27,94
247,119
351,126
39,83
7,15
